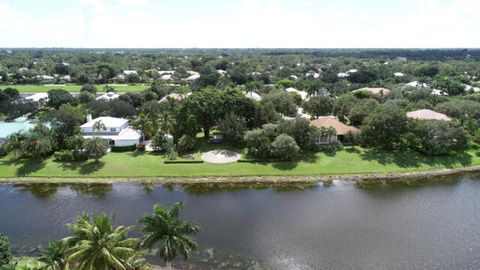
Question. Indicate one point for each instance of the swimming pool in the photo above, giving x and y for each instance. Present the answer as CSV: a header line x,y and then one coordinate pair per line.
x,y
19,124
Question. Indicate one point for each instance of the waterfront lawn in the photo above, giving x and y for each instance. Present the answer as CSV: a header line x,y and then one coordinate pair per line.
x,y
137,165
34,88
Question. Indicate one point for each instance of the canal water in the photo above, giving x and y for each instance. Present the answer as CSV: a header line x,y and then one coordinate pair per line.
x,y
427,224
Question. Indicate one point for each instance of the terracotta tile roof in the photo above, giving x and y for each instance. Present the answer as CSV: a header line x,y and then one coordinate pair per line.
x,y
426,114
328,121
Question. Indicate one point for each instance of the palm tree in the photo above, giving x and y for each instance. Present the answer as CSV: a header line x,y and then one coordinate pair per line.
x,y
144,124
95,244
96,148
53,256
36,144
172,235
98,126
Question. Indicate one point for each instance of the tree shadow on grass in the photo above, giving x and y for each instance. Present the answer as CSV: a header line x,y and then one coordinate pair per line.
x,y
416,160
27,166
285,166
83,168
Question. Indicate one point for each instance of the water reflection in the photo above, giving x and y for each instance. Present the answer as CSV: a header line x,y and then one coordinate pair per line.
x,y
97,190
212,188
40,191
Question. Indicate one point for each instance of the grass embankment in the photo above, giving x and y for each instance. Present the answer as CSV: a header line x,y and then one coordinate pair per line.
x,y
150,165
34,88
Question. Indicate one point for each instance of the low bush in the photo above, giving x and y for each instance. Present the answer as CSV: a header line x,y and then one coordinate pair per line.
x,y
182,161
331,148
69,155
140,147
126,148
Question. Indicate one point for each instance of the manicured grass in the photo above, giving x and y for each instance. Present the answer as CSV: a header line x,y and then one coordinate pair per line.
x,y
33,88
131,165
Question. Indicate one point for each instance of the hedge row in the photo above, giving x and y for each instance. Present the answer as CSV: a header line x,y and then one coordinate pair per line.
x,y
69,155
262,160
128,148
182,161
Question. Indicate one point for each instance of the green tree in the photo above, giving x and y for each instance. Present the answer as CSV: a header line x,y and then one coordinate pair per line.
x,y
164,229
162,143
186,143
385,127
96,244
283,102
89,88
259,143
36,144
233,128
5,255
99,126
58,97
96,148
53,256
319,106
285,147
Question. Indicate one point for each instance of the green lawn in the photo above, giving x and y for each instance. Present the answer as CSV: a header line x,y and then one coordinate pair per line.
x,y
128,165
33,88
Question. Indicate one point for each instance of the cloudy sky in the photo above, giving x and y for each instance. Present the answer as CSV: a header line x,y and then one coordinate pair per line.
x,y
240,23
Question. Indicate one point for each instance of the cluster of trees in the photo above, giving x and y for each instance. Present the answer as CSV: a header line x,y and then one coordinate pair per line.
x,y
96,244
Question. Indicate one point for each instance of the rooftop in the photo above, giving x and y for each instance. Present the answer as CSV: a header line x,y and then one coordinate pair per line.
x,y
330,121
426,114
375,90
107,121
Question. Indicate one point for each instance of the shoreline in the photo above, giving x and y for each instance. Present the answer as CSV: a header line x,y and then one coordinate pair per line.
x,y
391,176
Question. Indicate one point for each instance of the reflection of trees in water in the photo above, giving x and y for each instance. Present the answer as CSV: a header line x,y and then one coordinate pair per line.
x,y
41,191
210,188
97,190
413,182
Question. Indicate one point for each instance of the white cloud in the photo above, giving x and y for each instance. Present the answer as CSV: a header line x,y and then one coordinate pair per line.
x,y
252,23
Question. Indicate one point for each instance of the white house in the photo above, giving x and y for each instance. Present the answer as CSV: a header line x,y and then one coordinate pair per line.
x,y
116,131
417,84
193,77
398,74
108,96
40,98
252,95
130,72
302,94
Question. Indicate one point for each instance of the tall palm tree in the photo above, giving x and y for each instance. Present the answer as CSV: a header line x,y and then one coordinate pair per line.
x,y
98,126
96,245
53,256
36,145
144,124
173,236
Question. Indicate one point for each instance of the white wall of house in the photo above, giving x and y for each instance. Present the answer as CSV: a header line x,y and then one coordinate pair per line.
x,y
126,142
112,130
326,139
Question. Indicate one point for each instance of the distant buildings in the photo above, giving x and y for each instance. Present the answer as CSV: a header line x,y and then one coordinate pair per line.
x,y
108,96
374,90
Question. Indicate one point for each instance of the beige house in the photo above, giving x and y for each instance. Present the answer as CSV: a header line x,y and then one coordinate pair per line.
x,y
340,128
375,91
426,114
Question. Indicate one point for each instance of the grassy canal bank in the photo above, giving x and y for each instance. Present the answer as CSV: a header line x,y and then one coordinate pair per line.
x,y
133,166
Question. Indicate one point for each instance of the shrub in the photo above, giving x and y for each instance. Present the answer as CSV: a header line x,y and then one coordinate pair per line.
x,y
183,161
127,148
233,128
172,155
162,143
140,147
96,148
69,155
5,255
331,148
285,147
186,143
258,143
439,138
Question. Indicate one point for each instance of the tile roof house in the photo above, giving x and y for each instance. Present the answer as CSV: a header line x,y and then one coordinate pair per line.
x,y
374,90
340,128
426,114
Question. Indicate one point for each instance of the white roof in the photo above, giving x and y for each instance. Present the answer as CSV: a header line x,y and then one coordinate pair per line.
x,y
128,72
126,134
109,122
398,74
176,96
252,95
166,77
193,77
352,71
191,72
439,92
302,94
37,97
342,75
222,72
108,96
161,72
426,114
416,84
472,88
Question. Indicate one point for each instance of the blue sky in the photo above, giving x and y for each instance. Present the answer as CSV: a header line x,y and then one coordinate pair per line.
x,y
240,23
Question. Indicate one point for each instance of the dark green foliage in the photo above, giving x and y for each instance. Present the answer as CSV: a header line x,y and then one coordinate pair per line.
x,y
285,147
186,143
459,108
89,88
283,102
259,143
300,129
233,128
5,255
126,148
319,106
384,127
439,137
59,97
95,148
162,143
